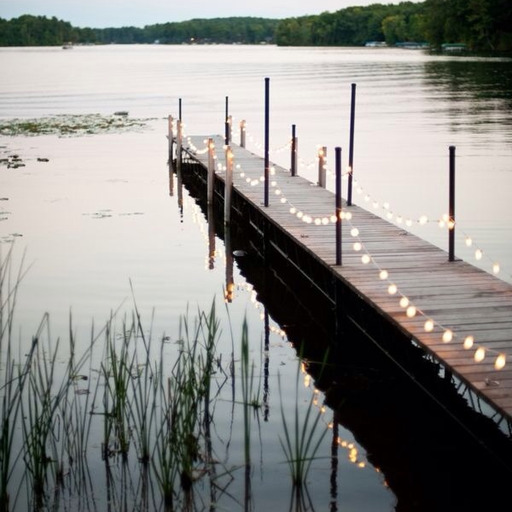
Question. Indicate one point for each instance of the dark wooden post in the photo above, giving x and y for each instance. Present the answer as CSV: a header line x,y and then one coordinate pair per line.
x,y
228,185
242,133
293,169
226,124
322,173
351,144
267,140
451,207
338,205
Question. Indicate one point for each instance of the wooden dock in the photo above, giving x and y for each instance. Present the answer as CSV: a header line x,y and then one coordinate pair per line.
x,y
453,310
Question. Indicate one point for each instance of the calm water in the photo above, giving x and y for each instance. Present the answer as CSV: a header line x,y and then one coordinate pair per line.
x,y
98,215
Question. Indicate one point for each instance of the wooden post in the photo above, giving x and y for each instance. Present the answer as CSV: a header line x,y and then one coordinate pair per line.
x,y
267,141
338,205
227,140
179,143
322,175
211,171
242,133
179,109
170,136
228,185
351,144
293,169
451,207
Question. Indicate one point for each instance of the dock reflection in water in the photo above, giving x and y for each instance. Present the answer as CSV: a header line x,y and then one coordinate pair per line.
x,y
434,450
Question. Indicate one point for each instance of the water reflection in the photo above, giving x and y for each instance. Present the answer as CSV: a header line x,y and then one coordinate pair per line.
x,y
435,452
478,93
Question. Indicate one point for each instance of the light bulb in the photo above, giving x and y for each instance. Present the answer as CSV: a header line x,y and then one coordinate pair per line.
x,y
392,289
447,336
411,312
357,246
354,232
366,259
404,302
468,342
383,274
429,326
478,254
480,354
499,364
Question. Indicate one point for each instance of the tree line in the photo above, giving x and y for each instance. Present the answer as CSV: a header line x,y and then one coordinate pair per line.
x,y
481,25
30,30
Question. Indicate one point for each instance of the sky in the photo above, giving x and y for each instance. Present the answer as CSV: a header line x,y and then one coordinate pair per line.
x,y
119,13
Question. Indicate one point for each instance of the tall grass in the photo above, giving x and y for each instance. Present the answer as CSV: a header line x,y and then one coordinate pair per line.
x,y
301,439
143,406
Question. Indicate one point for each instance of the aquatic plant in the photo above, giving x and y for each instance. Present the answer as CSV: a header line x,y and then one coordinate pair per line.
x,y
301,439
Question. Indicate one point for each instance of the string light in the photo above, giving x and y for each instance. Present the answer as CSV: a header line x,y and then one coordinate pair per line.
x,y
411,310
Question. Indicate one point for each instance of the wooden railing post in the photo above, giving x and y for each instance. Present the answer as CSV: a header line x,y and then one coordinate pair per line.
x,y
170,136
451,207
267,143
211,171
338,205
293,168
179,143
242,133
322,173
228,185
351,144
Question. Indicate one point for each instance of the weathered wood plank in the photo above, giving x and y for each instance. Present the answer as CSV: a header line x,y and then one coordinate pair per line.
x,y
455,295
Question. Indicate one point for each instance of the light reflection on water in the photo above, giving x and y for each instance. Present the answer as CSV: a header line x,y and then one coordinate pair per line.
x,y
99,213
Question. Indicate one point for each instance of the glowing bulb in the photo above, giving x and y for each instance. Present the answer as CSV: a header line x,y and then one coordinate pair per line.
x,y
429,326
404,302
366,259
283,200
383,274
423,220
300,215
447,336
408,223
357,246
469,242
480,354
468,342
325,220
385,206
334,219
392,289
348,215
496,268
293,210
354,232
318,222
499,364
478,254
399,219
411,312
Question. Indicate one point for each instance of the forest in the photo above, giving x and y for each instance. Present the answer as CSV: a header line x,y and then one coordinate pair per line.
x,y
480,25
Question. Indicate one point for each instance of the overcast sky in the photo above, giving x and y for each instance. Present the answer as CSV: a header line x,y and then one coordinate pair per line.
x,y
118,13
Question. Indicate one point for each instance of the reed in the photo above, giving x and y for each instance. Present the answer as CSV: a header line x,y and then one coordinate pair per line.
x,y
301,439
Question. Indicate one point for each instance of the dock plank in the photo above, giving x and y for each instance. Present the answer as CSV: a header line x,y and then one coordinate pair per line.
x,y
455,295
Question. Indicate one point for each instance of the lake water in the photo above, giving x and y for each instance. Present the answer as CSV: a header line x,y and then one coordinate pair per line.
x,y
97,217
